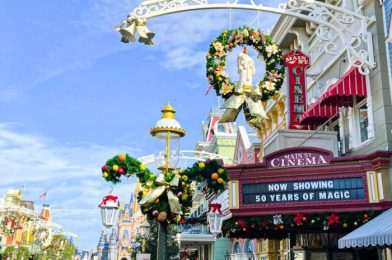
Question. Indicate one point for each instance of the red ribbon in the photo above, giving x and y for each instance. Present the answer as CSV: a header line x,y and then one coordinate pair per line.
x,y
214,207
109,197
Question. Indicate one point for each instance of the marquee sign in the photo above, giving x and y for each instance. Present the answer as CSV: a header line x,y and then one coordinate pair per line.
x,y
304,191
296,62
307,180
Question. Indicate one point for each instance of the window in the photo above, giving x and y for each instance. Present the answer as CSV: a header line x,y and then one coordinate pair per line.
x,y
221,128
363,122
250,248
237,248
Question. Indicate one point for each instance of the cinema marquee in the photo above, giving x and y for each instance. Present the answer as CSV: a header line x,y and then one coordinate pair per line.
x,y
309,180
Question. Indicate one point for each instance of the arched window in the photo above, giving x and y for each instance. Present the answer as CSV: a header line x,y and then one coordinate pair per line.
x,y
237,248
221,128
250,246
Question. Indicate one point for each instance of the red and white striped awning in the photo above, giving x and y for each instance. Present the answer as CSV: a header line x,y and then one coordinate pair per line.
x,y
341,93
317,114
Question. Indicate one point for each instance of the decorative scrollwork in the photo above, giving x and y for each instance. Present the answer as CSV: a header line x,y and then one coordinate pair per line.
x,y
334,23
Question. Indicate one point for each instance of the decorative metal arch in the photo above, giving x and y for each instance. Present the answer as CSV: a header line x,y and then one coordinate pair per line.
x,y
335,23
191,155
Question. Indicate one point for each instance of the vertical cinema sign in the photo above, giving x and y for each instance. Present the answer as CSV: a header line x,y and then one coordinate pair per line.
x,y
296,62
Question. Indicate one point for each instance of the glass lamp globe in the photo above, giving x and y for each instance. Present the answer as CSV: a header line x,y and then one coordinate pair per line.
x,y
215,221
145,229
167,132
109,210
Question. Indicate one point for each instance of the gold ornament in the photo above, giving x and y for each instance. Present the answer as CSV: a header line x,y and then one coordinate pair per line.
x,y
184,197
162,217
201,165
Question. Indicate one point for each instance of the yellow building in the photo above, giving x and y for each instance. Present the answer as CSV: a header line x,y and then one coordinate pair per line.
x,y
22,225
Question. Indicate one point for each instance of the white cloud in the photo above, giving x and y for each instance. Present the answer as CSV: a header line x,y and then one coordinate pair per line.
x,y
69,174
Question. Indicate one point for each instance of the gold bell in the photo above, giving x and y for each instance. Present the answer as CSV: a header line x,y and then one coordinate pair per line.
x,y
128,34
145,35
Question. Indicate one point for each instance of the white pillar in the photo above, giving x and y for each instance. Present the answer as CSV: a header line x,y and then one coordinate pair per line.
x,y
341,130
350,127
369,104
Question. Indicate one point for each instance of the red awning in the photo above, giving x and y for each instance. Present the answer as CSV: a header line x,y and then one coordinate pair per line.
x,y
318,114
341,93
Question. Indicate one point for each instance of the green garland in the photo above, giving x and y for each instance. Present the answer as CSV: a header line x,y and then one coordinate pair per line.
x,y
4,225
124,165
177,182
22,252
266,48
10,251
268,225
210,171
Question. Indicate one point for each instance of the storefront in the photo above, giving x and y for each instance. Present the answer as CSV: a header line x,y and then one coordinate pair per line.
x,y
300,201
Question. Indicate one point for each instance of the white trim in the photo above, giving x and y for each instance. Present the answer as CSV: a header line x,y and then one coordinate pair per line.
x,y
234,195
380,186
372,185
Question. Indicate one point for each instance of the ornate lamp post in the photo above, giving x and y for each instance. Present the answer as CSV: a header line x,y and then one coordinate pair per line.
x,y
215,219
167,132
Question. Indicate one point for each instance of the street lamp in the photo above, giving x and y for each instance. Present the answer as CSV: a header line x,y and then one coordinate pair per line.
x,y
109,209
167,132
215,219
144,229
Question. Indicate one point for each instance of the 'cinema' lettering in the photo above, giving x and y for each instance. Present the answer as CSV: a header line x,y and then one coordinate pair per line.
x,y
298,159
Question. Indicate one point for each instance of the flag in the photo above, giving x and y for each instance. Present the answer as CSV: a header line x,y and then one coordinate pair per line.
x,y
24,186
42,196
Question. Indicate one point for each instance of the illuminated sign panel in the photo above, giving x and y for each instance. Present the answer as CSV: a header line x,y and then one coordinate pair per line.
x,y
304,191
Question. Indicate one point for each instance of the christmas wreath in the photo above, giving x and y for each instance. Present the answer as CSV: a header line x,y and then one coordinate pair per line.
x,y
166,197
9,225
266,48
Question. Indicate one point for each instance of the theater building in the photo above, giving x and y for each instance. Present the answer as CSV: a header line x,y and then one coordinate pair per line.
x,y
299,201
325,170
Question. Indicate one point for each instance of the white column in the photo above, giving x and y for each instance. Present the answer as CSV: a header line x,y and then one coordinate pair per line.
x,y
341,130
351,132
369,104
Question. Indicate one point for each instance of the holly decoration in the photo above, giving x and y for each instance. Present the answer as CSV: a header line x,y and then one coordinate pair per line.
x,y
9,225
166,197
333,219
299,218
266,48
267,226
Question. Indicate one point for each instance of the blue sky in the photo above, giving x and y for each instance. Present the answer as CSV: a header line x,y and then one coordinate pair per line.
x,y
72,96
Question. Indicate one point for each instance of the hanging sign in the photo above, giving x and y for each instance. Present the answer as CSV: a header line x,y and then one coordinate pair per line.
x,y
296,62
304,191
